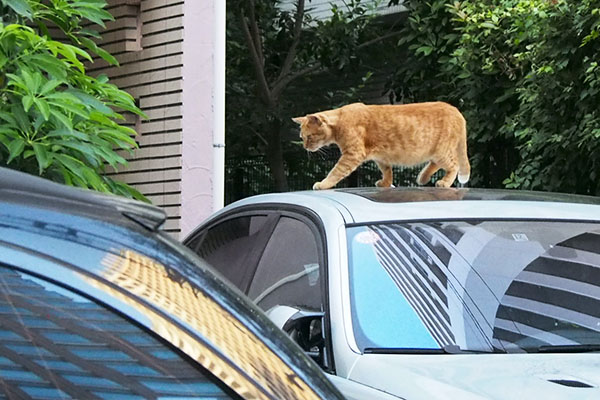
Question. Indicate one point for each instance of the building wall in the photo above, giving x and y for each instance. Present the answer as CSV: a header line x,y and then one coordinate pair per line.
x,y
149,37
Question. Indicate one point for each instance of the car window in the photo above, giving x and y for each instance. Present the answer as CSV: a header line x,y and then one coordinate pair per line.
x,y
231,245
288,271
58,344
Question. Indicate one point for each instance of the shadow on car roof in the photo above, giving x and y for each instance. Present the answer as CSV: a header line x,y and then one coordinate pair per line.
x,y
421,194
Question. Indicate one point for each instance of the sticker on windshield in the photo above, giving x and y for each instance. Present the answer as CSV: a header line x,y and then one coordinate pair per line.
x,y
367,237
520,237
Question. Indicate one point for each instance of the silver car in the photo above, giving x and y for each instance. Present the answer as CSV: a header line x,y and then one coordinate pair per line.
x,y
425,293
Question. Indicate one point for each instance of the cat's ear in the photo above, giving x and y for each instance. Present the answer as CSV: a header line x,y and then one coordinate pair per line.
x,y
299,120
313,119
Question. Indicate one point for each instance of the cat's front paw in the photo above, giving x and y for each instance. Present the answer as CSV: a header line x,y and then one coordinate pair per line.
x,y
383,183
318,186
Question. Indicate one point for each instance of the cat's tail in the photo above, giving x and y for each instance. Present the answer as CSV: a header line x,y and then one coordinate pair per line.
x,y
464,167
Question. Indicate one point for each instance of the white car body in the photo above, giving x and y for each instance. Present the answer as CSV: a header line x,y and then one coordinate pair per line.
x,y
437,376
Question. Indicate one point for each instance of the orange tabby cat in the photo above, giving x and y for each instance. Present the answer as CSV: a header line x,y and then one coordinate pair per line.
x,y
405,134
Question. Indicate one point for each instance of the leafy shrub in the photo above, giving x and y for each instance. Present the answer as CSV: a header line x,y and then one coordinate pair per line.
x,y
55,120
525,74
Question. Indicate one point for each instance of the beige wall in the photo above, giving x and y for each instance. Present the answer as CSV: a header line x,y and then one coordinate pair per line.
x,y
147,38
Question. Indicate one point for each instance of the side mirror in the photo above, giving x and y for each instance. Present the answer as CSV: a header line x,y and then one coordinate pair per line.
x,y
305,328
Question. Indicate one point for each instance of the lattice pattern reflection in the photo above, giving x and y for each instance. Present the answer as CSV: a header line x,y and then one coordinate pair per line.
x,y
150,281
56,344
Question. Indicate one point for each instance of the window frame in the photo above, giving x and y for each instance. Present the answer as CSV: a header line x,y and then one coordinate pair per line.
x,y
278,210
256,253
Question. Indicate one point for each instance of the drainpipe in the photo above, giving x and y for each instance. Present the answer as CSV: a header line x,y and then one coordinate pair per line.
x,y
219,106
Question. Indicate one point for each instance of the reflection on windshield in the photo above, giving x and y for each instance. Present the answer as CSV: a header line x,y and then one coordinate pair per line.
x,y
481,285
166,290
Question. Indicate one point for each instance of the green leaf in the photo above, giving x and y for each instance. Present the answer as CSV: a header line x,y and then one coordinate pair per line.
x,y
62,119
102,78
7,135
55,67
43,107
21,117
90,32
81,52
94,14
488,25
92,46
72,108
106,56
16,81
62,133
91,101
29,80
84,148
50,86
27,102
94,180
426,50
119,136
9,119
21,7
72,164
70,54
3,59
64,96
41,156
15,149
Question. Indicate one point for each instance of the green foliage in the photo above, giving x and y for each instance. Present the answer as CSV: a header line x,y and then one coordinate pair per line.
x,y
525,74
283,71
55,120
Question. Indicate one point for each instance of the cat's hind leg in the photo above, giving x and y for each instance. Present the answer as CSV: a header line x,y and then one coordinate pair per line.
x,y
451,168
426,173
387,175
464,167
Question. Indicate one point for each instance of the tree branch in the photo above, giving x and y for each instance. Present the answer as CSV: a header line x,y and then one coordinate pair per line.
x,y
256,33
379,39
255,57
291,55
261,137
286,80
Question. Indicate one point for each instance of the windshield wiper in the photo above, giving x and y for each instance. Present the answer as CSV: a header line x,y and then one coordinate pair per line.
x,y
448,349
567,348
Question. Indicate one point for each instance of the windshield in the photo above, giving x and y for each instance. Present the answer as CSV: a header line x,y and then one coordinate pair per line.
x,y
475,285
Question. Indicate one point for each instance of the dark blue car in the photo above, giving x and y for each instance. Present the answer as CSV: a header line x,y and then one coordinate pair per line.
x,y
97,303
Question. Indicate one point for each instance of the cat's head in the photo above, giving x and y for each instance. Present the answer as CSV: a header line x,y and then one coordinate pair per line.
x,y
315,131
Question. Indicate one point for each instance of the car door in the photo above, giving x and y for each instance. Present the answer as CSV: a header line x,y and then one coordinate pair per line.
x,y
277,258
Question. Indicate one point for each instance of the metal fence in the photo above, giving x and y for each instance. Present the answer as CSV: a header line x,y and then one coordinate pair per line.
x,y
250,176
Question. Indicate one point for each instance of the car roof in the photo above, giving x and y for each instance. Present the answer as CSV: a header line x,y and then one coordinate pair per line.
x,y
361,205
26,189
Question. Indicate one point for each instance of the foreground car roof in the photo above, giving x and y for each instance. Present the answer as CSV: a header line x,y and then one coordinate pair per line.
x,y
359,205
27,189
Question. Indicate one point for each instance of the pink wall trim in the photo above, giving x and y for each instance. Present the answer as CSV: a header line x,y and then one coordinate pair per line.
x,y
198,113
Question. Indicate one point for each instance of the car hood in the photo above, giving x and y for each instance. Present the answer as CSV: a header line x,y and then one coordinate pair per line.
x,y
482,376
